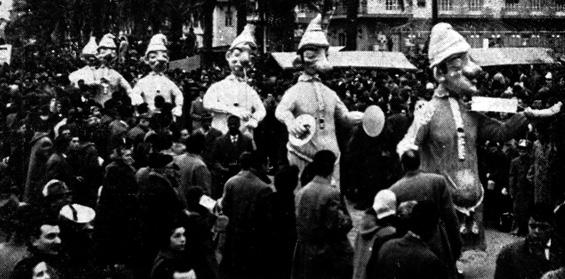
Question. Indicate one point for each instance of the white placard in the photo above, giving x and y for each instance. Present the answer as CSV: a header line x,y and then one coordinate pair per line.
x,y
494,104
207,202
5,54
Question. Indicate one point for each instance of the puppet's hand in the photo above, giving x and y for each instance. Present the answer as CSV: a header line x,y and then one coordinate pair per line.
x,y
239,112
541,113
297,129
136,100
356,116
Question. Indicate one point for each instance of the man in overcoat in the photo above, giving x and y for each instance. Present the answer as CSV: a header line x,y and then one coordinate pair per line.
x,y
245,204
419,186
322,223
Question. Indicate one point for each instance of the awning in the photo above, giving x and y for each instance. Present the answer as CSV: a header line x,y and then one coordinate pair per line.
x,y
187,64
355,59
511,56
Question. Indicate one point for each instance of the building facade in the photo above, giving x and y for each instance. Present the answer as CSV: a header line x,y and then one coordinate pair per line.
x,y
404,26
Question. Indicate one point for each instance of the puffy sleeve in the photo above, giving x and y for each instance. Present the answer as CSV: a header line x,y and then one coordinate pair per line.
x,y
259,111
418,130
344,115
125,85
494,130
179,99
284,111
136,95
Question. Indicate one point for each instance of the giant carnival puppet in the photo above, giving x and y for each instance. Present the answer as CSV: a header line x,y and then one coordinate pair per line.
x,y
309,109
156,83
108,80
232,95
446,132
86,73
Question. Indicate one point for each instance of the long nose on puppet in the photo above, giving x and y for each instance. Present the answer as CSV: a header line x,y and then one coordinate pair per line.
x,y
323,64
472,70
244,58
161,57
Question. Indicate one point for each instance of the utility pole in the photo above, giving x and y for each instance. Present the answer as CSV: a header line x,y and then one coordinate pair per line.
x,y
434,12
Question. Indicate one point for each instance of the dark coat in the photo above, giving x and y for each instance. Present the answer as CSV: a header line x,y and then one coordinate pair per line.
x,y
35,179
283,233
516,262
92,173
369,165
200,222
322,223
369,241
245,204
407,258
227,154
168,262
521,191
193,173
116,228
159,206
226,157
58,263
446,242
57,167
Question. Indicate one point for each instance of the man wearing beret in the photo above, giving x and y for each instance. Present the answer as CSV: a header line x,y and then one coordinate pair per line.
x,y
446,132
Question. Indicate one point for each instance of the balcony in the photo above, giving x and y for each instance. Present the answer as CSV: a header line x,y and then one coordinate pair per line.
x,y
464,9
533,9
376,9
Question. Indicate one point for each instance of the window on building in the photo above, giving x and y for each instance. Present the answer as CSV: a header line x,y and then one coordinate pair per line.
x,y
536,4
342,39
475,5
445,5
391,5
421,3
229,18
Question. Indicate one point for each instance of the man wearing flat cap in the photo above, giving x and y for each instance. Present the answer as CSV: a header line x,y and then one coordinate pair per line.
x,y
446,132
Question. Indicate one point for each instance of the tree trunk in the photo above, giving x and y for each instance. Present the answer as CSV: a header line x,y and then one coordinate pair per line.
x,y
208,21
352,10
281,22
241,6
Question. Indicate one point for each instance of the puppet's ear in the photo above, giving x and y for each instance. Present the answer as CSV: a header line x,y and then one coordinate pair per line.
x,y
439,75
297,62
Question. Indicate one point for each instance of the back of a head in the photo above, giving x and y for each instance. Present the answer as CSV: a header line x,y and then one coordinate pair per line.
x,y
196,143
410,160
61,143
246,160
424,219
307,174
286,179
543,213
324,162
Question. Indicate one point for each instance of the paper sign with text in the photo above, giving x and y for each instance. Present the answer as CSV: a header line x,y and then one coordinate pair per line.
x,y
494,104
5,54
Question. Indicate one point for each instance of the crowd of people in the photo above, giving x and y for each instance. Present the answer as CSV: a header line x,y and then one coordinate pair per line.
x,y
124,189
